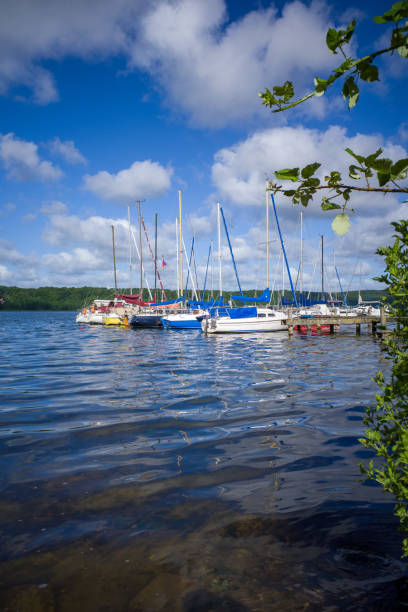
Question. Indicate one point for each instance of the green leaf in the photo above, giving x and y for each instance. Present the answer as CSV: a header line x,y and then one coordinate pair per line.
x,y
399,10
332,40
288,174
310,169
380,165
353,172
371,158
305,198
336,38
359,158
320,86
369,73
351,92
344,67
403,51
399,169
285,91
341,224
326,205
383,178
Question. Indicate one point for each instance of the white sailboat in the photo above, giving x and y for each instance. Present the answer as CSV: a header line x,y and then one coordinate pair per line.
x,y
247,319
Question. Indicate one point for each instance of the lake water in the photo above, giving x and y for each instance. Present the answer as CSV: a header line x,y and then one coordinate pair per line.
x,y
148,470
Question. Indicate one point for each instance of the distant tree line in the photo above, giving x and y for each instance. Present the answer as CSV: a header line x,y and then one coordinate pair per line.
x,y
74,298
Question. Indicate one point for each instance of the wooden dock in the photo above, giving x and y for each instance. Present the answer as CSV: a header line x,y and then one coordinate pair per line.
x,y
377,325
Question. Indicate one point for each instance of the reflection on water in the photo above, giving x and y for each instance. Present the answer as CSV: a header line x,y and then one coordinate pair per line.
x,y
165,470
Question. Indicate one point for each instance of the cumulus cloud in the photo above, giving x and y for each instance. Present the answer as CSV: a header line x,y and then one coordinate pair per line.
x,y
239,172
22,162
33,32
213,69
205,64
144,179
79,260
67,150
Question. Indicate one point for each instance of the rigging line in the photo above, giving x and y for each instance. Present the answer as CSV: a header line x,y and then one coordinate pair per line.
x,y
154,260
284,251
230,247
188,265
353,275
143,270
206,272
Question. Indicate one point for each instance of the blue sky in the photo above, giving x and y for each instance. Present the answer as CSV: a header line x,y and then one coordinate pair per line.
x,y
102,104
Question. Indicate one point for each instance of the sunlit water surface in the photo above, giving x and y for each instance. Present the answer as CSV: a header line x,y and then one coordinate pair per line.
x,y
166,470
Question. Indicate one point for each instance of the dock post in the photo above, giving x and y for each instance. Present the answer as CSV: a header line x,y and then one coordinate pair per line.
x,y
331,328
358,329
374,327
383,318
289,323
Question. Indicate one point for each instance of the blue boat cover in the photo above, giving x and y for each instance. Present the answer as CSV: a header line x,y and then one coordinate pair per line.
x,y
180,299
265,297
205,305
234,313
242,313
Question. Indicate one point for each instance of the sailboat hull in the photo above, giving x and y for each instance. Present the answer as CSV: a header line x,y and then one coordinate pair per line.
x,y
265,321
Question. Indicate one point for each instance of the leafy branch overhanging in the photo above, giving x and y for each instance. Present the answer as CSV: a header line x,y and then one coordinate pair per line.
x,y
388,173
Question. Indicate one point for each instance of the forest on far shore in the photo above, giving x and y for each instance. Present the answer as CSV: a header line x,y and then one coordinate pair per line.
x,y
74,298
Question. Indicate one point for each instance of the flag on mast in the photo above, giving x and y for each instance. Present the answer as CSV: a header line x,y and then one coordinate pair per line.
x,y
163,262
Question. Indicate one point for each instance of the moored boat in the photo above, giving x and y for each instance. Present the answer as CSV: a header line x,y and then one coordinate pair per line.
x,y
243,320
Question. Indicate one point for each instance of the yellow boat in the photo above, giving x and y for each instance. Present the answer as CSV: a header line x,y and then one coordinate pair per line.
x,y
115,319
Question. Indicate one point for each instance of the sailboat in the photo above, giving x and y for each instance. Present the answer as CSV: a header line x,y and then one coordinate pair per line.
x,y
186,318
246,319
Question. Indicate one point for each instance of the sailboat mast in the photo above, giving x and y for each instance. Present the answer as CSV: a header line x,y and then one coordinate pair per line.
x,y
130,254
219,247
140,250
155,255
181,246
301,253
322,269
114,257
267,235
212,270
177,258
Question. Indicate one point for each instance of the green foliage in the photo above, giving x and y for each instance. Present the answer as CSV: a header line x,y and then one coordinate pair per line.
x,y
51,298
354,69
387,421
386,171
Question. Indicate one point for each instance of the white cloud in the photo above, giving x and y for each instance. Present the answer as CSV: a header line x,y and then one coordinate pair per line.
x,y
144,179
67,150
10,255
31,32
206,65
239,172
22,162
403,131
213,70
78,261
5,274
29,217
